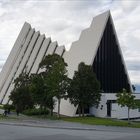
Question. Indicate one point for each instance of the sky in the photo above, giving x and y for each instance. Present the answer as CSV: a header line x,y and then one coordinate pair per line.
x,y
63,20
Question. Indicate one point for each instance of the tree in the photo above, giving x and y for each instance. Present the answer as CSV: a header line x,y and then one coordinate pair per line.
x,y
84,88
126,99
55,76
20,96
37,89
40,93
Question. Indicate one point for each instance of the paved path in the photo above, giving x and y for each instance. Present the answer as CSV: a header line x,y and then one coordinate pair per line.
x,y
27,128
59,124
23,120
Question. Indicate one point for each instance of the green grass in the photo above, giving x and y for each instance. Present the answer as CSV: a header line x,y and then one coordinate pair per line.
x,y
2,117
54,117
1,107
101,121
92,120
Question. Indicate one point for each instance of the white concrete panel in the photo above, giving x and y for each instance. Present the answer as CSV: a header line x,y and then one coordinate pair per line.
x,y
122,112
27,54
116,110
17,63
60,50
34,52
51,50
41,53
101,110
83,50
23,62
14,54
66,108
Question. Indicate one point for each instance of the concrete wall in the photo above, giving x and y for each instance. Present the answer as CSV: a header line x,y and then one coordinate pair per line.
x,y
60,50
12,58
8,66
51,49
83,50
35,53
22,65
40,55
100,111
27,54
116,110
16,66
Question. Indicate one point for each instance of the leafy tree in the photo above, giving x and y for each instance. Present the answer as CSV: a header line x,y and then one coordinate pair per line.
x,y
20,96
39,92
55,76
126,99
37,89
137,101
84,88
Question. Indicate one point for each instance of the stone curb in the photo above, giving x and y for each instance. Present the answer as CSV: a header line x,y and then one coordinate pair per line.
x,y
53,127
61,127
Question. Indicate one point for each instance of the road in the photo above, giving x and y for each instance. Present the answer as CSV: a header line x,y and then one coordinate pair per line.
x,y
11,132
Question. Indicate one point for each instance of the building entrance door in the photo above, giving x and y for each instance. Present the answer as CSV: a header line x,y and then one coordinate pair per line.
x,y
108,108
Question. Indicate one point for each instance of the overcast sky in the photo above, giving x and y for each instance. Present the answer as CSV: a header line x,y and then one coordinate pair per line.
x,y
64,20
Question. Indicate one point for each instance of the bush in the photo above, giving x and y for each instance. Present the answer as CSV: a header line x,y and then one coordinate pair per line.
x,y
7,106
1,107
35,111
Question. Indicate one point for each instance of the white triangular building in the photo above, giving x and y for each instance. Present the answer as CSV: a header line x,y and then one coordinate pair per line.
x,y
98,46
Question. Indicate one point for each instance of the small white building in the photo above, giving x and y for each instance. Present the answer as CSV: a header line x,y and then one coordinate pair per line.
x,y
109,108
97,45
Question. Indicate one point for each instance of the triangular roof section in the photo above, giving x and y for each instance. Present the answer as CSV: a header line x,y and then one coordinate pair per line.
x,y
85,49
120,51
108,63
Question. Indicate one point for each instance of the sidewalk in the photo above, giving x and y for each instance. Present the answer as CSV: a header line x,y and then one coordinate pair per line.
x,y
23,120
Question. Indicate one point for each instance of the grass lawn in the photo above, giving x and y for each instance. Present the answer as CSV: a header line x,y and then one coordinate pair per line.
x,y
91,120
54,117
2,117
84,120
101,121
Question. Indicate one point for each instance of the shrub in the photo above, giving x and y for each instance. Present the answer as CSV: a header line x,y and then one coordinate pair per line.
x,y
7,106
35,111
1,107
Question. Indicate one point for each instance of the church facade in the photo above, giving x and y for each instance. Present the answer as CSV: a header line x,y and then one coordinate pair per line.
x,y
98,46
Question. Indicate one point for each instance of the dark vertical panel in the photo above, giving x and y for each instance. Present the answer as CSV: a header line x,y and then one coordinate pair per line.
x,y
108,64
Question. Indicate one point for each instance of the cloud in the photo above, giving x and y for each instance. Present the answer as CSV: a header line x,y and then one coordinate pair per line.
x,y
64,21
129,5
134,76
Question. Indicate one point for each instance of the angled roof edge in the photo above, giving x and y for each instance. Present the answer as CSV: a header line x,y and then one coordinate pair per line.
x,y
104,16
122,58
101,16
84,49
